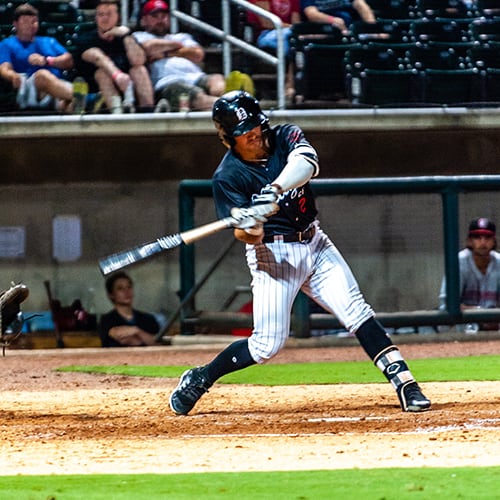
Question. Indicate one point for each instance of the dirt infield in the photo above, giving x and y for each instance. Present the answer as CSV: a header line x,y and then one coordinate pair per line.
x,y
61,423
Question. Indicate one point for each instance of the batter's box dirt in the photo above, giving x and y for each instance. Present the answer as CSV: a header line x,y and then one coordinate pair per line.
x,y
79,423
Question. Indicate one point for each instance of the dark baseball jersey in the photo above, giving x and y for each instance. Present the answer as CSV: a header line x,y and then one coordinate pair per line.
x,y
235,181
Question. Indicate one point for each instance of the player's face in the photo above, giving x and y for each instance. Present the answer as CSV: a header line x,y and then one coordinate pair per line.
x,y
481,245
123,292
251,146
26,27
157,23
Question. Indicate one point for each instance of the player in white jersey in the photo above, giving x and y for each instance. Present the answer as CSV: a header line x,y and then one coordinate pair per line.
x,y
479,266
286,253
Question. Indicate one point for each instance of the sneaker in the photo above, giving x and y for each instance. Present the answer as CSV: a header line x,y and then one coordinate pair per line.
x,y
192,385
163,106
412,399
237,80
116,105
22,93
129,99
94,102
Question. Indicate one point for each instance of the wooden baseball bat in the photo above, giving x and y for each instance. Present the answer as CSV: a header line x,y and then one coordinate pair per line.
x,y
119,260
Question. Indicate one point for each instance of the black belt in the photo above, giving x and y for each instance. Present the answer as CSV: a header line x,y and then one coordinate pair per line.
x,y
292,237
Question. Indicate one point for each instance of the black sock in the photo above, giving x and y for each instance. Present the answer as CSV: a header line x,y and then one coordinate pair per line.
x,y
386,356
373,338
234,357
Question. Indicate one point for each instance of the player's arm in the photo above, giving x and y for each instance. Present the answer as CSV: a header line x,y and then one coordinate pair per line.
x,y
302,164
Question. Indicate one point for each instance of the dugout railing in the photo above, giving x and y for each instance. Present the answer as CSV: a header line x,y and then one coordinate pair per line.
x,y
448,187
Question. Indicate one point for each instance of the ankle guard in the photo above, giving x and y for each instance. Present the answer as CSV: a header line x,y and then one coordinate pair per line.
x,y
391,363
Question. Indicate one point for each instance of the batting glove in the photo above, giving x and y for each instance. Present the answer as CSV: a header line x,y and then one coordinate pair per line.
x,y
268,194
245,218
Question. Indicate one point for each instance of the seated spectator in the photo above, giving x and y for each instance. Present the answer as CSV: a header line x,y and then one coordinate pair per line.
x,y
289,13
479,265
173,61
34,64
125,326
339,13
112,61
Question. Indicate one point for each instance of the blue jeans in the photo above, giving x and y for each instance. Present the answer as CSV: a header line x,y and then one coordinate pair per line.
x,y
268,39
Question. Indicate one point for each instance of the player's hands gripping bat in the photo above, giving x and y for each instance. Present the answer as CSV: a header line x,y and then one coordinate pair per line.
x,y
268,194
126,258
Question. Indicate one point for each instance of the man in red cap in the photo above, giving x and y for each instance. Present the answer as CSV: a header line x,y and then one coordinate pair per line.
x,y
479,265
174,62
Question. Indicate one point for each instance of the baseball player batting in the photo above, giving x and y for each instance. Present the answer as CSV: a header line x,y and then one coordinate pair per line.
x,y
286,253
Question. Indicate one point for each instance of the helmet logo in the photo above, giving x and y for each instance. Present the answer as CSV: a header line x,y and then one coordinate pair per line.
x,y
241,114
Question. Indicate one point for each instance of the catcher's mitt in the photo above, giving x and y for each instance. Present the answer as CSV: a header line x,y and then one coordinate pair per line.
x,y
11,317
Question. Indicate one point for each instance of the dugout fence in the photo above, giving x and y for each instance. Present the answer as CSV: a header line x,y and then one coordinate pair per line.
x,y
448,188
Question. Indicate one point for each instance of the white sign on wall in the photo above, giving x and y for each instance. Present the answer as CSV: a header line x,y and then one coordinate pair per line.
x,y
66,238
12,242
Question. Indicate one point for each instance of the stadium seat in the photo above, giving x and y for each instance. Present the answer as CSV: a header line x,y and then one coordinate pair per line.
x,y
486,58
361,82
431,9
58,11
439,30
6,11
422,57
7,97
5,31
485,30
392,9
316,33
319,70
389,88
317,51
451,87
63,33
488,8
362,57
491,85
386,31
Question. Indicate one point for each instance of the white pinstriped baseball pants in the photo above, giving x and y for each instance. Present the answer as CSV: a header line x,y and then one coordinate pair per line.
x,y
279,270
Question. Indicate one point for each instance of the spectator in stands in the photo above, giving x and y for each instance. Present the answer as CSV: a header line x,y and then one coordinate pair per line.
x,y
289,13
34,64
479,265
110,58
125,326
339,13
174,61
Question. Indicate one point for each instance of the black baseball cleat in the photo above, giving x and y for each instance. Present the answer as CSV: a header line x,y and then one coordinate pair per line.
x,y
412,399
192,385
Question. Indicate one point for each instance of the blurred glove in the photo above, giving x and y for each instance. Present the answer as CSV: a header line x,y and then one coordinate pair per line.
x,y
268,194
245,218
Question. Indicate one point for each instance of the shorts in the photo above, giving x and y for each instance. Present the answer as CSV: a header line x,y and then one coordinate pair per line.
x,y
173,91
27,96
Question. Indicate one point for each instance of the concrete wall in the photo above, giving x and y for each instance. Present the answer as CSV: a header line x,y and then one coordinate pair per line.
x,y
393,243
120,176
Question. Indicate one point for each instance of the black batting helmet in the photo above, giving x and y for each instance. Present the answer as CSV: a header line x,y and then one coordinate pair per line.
x,y
236,113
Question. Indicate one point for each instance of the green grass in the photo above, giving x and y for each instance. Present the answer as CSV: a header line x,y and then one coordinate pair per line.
x,y
384,484
367,484
475,368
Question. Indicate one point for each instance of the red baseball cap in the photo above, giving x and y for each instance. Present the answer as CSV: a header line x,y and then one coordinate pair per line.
x,y
482,226
152,6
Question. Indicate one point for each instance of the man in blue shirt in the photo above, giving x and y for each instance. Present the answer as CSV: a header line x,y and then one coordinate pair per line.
x,y
339,13
34,64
